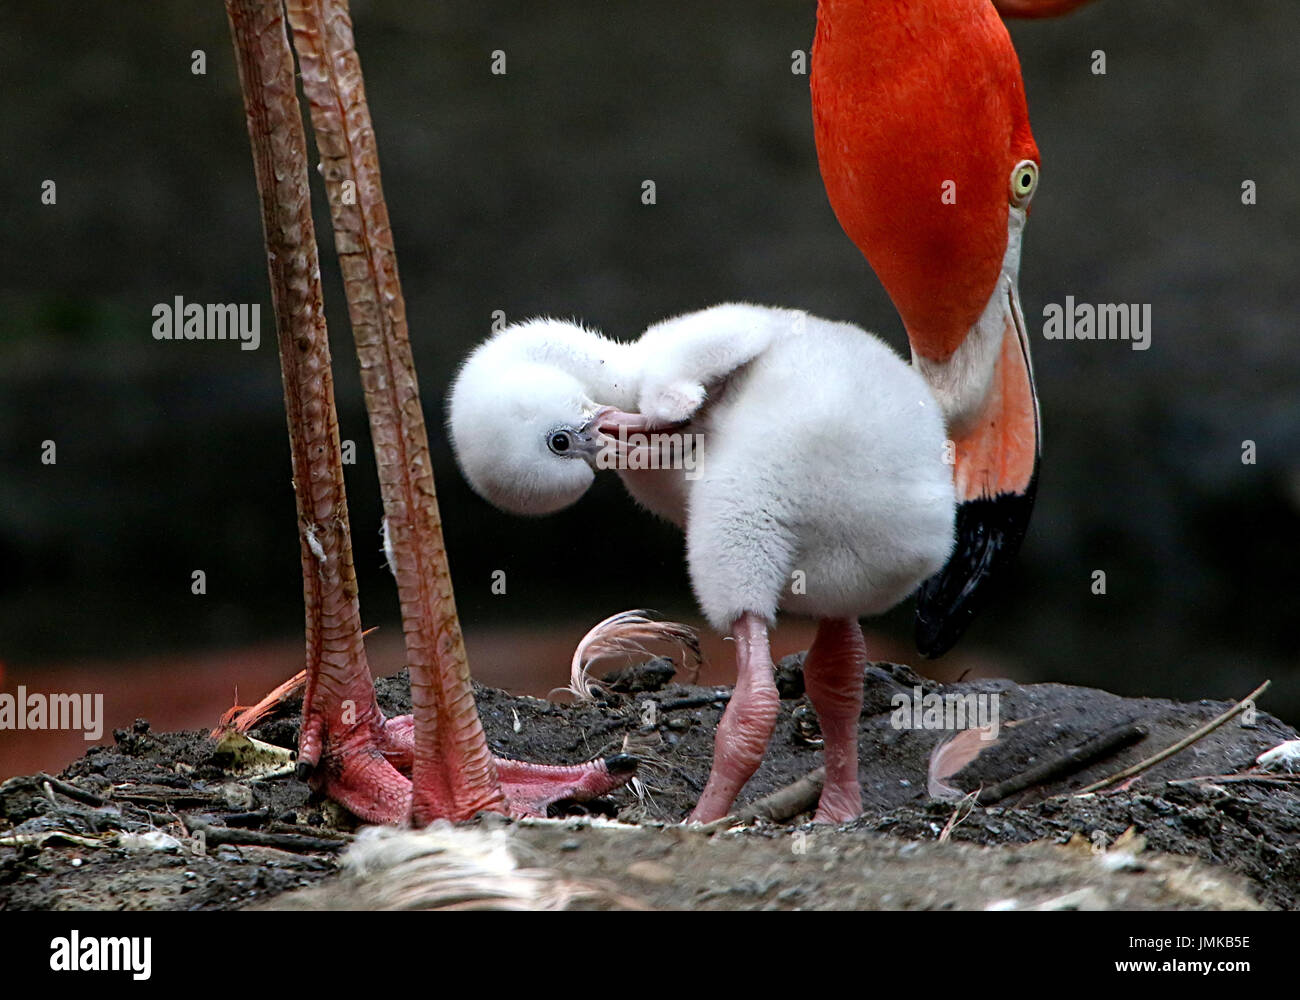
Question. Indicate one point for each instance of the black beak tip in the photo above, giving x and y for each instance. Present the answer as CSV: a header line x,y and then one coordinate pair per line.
x,y
935,636
989,533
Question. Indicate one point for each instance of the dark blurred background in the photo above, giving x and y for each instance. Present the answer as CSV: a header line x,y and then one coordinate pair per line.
x,y
522,193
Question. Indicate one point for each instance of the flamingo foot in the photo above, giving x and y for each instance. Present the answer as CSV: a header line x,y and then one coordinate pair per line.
x,y
397,742
367,786
359,770
529,788
355,772
839,805
366,765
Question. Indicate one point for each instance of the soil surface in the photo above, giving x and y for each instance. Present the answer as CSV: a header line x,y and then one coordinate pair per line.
x,y
177,821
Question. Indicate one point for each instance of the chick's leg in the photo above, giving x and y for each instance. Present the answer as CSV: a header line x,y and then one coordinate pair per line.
x,y
833,680
747,723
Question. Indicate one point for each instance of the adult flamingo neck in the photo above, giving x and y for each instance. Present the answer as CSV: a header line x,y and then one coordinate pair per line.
x,y
964,381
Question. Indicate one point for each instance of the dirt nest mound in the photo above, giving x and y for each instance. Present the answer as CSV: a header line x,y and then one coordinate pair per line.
x,y
178,821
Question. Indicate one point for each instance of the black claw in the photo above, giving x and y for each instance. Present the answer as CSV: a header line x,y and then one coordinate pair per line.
x,y
303,771
989,533
620,763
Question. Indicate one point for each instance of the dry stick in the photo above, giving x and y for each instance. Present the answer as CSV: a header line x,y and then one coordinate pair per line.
x,y
1075,759
336,656
790,800
965,806
70,790
455,775
295,842
797,797
1225,779
1181,745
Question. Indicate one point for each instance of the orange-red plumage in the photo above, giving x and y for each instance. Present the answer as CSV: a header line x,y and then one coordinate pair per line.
x,y
919,114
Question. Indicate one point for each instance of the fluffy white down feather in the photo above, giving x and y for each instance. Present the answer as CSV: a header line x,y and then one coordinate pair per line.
x,y
821,487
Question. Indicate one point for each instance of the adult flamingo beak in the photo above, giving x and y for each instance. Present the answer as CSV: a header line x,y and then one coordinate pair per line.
x,y
996,458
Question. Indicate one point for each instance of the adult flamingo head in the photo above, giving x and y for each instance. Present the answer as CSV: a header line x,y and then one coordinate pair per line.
x,y
929,163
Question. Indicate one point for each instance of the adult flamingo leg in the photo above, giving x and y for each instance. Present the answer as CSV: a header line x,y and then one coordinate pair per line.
x,y
346,747
746,725
833,680
454,775
339,744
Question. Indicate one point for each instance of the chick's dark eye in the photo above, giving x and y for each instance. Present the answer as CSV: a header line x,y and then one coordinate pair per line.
x,y
559,442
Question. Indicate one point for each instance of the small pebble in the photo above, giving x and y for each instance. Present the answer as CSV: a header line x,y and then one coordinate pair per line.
x,y
237,796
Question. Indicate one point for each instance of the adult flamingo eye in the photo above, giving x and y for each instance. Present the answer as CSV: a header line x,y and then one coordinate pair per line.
x,y
1024,182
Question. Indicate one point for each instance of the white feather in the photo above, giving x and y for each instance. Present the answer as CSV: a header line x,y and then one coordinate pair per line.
x,y
1283,757
442,868
314,544
389,556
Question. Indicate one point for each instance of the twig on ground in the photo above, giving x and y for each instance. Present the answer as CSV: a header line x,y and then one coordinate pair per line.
x,y
41,839
962,810
1181,745
293,842
1075,759
70,790
162,796
1225,779
785,803
704,701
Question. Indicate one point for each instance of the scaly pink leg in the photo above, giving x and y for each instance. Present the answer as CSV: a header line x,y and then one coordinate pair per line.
x,y
346,747
747,723
833,679
338,744
453,772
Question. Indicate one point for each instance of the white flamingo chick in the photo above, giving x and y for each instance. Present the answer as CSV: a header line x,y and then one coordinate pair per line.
x,y
811,479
